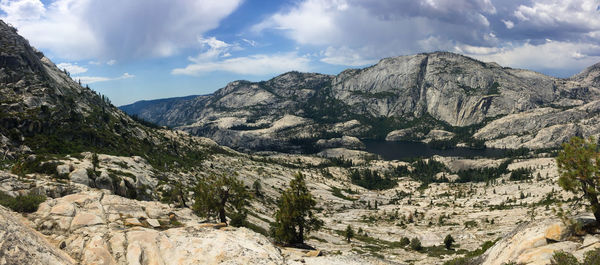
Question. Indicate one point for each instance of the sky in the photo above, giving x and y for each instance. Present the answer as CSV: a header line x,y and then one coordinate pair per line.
x,y
132,50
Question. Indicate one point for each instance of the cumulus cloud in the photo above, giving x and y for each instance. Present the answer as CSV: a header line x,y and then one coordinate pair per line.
x,y
552,55
80,29
260,64
216,56
72,68
96,79
564,20
356,32
367,30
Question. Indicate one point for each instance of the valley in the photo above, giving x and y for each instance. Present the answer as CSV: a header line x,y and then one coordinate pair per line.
x,y
82,182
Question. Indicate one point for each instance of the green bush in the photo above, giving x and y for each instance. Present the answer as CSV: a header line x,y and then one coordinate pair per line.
x,y
404,241
563,258
22,204
415,244
592,257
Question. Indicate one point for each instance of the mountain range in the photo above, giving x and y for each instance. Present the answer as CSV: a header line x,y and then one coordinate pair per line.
x,y
427,97
82,182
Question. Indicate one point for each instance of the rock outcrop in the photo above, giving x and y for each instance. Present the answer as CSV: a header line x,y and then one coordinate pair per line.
x,y
99,228
20,244
536,242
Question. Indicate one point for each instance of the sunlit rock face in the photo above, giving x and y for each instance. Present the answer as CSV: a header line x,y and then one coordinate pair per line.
x,y
416,93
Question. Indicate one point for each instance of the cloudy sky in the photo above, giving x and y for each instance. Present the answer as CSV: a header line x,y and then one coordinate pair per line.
x,y
144,49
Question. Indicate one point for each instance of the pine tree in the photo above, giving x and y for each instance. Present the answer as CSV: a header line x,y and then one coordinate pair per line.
x,y
579,170
95,162
216,195
448,241
349,233
295,216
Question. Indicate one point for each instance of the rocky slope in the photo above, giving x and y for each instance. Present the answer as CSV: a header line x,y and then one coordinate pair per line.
x,y
418,93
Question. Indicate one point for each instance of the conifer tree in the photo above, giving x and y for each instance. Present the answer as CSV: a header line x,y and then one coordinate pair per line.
x,y
215,195
349,233
579,170
296,214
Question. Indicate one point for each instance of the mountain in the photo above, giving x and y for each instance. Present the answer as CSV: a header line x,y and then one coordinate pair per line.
x,y
157,105
42,110
400,98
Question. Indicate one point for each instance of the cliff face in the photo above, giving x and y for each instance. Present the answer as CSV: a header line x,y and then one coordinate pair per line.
x,y
420,92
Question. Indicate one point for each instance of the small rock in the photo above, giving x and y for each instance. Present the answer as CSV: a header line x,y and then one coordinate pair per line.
x,y
153,222
313,253
132,222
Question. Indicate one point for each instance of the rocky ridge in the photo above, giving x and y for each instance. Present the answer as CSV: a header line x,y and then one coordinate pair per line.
x,y
416,94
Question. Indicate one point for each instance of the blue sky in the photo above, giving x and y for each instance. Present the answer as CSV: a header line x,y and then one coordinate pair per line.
x,y
144,49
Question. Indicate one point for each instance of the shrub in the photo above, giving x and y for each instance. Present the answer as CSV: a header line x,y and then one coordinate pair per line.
x,y
415,244
404,241
22,204
592,257
563,258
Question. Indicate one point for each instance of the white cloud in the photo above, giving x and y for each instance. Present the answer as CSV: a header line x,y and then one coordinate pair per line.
x,y
358,32
260,64
111,62
509,24
565,20
96,79
216,56
554,55
22,10
72,68
107,29
345,56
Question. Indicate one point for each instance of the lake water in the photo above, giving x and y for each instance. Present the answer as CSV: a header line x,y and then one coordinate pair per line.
x,y
406,150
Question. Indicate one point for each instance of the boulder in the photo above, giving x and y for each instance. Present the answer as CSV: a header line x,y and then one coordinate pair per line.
x,y
557,232
85,219
80,176
63,209
63,169
104,182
